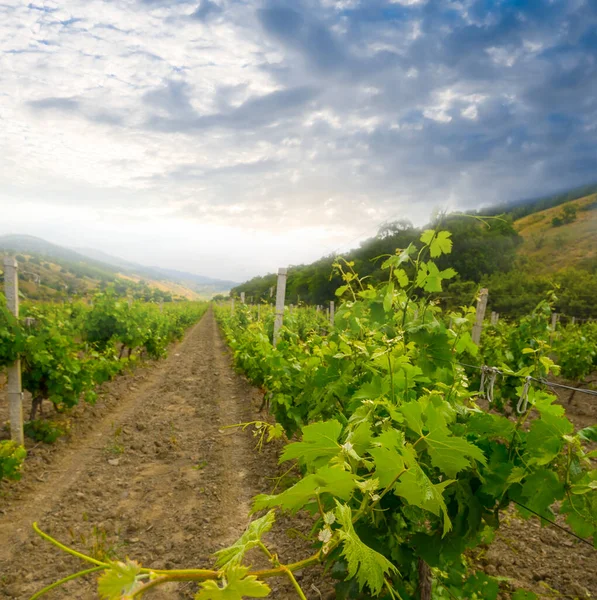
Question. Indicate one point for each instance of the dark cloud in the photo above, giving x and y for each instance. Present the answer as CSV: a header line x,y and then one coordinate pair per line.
x,y
77,108
477,100
206,10
60,104
254,113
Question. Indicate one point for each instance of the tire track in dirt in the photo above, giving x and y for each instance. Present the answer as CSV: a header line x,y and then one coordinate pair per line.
x,y
158,481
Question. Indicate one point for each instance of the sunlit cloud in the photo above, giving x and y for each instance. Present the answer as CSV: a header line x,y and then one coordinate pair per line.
x,y
276,131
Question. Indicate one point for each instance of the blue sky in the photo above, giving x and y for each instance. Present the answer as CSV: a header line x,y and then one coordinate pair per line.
x,y
231,137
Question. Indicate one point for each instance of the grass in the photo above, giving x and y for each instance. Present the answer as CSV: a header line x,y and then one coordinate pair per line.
x,y
552,248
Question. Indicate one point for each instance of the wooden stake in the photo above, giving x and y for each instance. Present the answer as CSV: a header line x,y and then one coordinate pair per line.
x,y
481,307
554,321
232,306
332,315
242,297
14,387
280,300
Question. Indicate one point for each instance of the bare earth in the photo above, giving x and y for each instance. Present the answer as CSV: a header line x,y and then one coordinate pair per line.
x,y
149,473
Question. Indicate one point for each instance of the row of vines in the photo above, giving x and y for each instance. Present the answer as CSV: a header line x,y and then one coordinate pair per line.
x,y
403,467
67,350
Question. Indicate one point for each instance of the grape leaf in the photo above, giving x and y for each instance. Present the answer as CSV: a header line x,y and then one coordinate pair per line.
x,y
588,434
233,555
540,490
441,244
545,438
451,454
119,581
388,464
401,277
319,445
417,489
327,479
369,567
237,585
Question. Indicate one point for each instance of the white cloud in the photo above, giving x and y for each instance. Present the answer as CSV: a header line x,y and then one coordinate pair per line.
x,y
127,121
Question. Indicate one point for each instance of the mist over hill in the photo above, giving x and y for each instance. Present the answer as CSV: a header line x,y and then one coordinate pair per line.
x,y
101,266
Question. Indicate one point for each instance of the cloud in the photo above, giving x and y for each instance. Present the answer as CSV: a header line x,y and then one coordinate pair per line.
x,y
206,10
294,115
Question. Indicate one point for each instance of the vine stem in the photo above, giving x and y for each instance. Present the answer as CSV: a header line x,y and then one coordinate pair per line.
x,y
295,584
56,584
68,550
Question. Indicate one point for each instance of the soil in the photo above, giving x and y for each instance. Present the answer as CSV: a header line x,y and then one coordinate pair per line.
x,y
149,472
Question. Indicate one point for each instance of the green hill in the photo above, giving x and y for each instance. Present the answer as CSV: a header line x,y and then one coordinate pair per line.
x,y
520,254
49,271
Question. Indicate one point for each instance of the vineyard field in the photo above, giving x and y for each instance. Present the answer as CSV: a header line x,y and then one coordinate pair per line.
x,y
153,421
415,445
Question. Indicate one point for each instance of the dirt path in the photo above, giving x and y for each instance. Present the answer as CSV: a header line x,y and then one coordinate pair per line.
x,y
157,480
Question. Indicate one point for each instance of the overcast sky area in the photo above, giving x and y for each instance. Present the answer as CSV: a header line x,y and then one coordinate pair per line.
x,y
231,137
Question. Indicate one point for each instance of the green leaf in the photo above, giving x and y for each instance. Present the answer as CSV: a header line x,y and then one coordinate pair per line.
x,y
368,566
236,586
327,479
389,297
540,490
413,412
427,236
588,434
388,464
401,277
417,489
545,438
360,438
448,453
319,445
233,555
371,390
441,244
119,581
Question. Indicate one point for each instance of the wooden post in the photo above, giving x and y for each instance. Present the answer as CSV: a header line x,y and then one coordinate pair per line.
x,y
573,320
481,306
554,321
242,297
14,387
232,306
259,312
280,300
271,291
332,313
494,317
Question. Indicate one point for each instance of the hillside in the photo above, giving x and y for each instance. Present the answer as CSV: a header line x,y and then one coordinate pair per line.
x,y
50,271
200,284
520,260
552,247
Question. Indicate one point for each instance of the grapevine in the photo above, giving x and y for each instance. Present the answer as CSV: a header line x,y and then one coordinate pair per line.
x,y
403,471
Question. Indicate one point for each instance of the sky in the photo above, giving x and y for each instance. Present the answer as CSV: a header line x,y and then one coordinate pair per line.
x,y
232,137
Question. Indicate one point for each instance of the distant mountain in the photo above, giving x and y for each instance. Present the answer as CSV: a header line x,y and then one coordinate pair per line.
x,y
30,243
519,209
100,265
158,272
